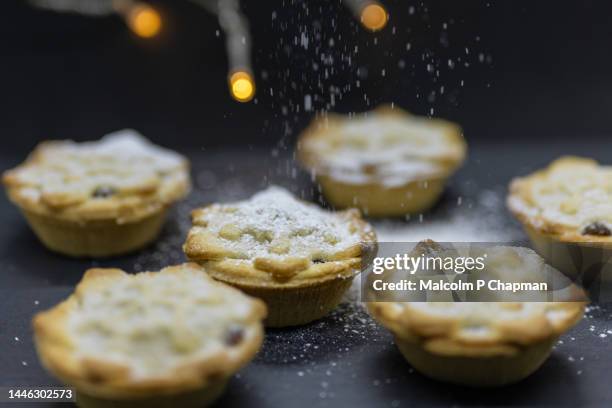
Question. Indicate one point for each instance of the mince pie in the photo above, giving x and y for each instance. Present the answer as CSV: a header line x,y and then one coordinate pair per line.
x,y
153,339
386,162
297,257
98,198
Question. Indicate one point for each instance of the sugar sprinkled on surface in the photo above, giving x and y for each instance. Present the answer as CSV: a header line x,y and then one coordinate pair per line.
x,y
483,222
477,217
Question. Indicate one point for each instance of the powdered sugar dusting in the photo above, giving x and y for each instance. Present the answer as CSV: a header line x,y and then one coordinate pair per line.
x,y
129,145
67,173
390,150
273,223
573,192
155,322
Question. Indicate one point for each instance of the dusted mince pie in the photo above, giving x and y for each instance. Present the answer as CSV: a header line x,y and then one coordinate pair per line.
x,y
295,256
386,162
154,339
566,210
480,343
98,198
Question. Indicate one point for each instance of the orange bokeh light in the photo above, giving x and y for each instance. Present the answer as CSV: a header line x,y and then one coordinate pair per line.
x,y
374,17
144,21
242,86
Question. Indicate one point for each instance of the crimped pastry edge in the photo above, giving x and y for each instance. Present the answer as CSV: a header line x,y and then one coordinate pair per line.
x,y
177,189
348,263
441,336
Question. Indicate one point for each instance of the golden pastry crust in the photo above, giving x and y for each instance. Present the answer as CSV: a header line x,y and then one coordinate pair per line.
x,y
277,241
569,201
122,177
124,336
481,329
388,147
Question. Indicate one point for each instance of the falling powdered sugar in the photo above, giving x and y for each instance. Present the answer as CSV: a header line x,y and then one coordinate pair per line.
x,y
482,221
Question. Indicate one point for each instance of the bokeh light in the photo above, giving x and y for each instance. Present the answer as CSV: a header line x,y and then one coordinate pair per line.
x,y
242,86
374,17
144,20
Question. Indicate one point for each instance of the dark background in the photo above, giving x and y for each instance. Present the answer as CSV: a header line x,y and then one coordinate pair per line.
x,y
536,71
537,85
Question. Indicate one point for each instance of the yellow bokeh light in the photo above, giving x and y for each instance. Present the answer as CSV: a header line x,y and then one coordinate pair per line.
x,y
374,17
144,21
242,86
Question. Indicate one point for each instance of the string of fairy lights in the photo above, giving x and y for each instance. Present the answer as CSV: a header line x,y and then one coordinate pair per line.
x,y
146,21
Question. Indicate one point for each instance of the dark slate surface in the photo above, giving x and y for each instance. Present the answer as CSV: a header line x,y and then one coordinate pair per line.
x,y
342,360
